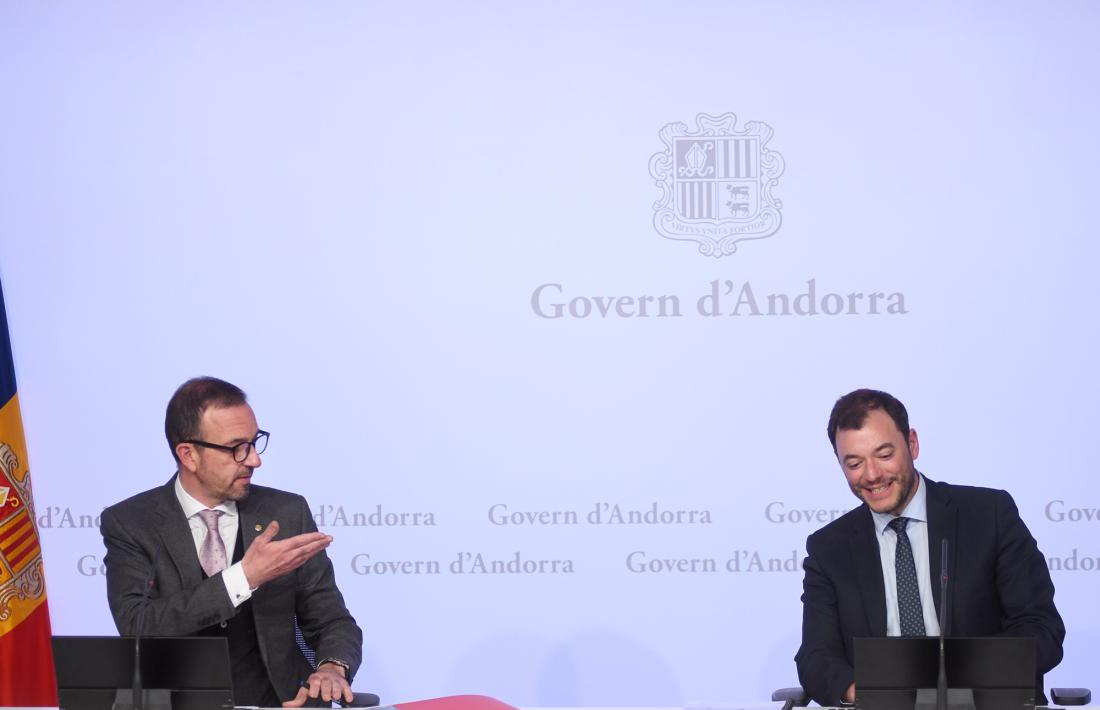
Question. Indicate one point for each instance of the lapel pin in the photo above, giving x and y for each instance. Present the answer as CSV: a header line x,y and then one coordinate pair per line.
x,y
259,527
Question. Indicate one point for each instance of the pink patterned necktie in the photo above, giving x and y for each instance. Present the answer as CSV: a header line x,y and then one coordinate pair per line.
x,y
212,552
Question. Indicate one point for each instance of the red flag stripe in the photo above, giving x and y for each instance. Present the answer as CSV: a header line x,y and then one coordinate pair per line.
x,y
16,560
26,675
16,539
23,522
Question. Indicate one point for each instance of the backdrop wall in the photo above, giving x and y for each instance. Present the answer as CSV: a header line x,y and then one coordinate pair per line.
x,y
546,304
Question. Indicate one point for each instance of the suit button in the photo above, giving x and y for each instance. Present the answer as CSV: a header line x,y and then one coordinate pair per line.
x,y
223,624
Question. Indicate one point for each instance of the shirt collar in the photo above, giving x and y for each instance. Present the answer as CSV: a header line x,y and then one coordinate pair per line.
x,y
916,510
191,507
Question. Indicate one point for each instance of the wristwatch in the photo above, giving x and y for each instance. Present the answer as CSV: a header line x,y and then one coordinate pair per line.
x,y
338,662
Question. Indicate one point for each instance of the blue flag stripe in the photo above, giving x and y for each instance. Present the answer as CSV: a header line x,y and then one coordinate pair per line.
x,y
7,366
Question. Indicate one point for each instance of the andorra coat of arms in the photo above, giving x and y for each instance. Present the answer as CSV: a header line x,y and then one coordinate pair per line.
x,y
716,183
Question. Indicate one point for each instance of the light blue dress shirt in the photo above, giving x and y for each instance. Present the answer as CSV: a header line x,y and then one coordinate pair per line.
x,y
917,530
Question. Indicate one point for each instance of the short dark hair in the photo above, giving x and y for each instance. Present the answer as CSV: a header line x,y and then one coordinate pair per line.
x,y
183,418
851,410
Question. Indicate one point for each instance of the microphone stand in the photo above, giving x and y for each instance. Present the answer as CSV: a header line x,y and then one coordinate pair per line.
x,y
136,685
941,683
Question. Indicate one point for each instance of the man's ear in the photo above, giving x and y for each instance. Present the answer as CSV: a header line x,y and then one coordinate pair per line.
x,y
914,444
188,456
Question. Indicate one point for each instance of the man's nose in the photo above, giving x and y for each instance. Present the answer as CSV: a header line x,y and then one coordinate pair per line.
x,y
253,458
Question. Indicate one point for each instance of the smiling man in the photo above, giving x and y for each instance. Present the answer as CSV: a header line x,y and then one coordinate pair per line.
x,y
871,571
209,553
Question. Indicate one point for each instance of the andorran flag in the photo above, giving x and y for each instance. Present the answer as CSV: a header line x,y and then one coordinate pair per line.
x,y
26,659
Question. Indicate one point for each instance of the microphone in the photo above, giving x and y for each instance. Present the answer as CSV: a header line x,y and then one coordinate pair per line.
x,y
150,580
941,683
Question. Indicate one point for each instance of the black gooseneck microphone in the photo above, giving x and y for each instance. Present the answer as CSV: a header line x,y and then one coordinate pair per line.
x,y
150,580
941,684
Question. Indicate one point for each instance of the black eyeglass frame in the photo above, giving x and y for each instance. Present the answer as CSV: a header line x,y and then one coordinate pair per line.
x,y
247,446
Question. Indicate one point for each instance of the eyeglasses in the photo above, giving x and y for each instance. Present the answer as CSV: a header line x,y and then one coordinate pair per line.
x,y
240,451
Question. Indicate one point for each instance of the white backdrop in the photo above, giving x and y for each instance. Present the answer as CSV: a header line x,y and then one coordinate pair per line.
x,y
348,208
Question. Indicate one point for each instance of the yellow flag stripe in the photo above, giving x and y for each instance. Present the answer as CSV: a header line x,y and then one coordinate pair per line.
x,y
13,527
11,433
16,555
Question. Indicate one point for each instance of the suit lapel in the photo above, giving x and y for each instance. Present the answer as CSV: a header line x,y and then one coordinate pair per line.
x,y
868,570
254,517
942,525
175,535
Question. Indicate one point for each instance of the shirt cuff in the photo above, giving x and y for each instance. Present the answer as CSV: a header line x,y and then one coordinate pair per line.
x,y
236,584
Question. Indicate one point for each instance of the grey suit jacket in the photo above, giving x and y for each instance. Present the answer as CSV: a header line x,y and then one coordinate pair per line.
x,y
999,584
148,538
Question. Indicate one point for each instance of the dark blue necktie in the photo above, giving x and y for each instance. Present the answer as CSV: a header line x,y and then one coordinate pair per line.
x,y
909,609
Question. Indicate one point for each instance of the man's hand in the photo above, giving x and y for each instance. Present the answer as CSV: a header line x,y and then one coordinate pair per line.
x,y
850,694
327,682
267,559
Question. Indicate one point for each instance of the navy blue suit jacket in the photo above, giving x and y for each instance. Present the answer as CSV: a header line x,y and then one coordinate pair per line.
x,y
999,584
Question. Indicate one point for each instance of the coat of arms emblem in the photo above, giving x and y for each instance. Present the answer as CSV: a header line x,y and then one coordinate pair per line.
x,y
20,551
716,183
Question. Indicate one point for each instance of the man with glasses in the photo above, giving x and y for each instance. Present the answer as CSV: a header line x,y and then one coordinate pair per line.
x,y
210,554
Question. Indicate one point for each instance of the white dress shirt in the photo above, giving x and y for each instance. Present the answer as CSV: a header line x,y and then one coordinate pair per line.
x,y
917,530
236,584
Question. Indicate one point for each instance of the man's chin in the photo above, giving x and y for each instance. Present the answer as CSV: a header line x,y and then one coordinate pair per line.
x,y
882,505
239,491
884,508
